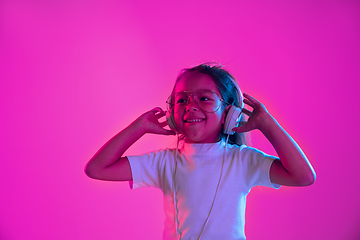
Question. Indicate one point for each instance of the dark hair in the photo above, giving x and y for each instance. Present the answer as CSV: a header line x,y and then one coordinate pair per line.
x,y
228,88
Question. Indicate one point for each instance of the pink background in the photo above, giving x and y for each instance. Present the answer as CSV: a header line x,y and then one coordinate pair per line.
x,y
74,73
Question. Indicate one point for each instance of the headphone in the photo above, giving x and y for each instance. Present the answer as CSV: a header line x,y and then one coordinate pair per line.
x,y
231,120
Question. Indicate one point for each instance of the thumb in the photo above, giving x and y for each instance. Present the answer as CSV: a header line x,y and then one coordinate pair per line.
x,y
243,127
168,132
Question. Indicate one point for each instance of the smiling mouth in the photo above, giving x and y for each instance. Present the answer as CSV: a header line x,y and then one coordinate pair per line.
x,y
194,120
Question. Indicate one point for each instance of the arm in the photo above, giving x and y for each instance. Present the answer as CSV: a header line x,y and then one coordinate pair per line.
x,y
293,169
108,163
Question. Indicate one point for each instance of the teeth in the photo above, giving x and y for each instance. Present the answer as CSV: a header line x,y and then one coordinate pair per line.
x,y
194,120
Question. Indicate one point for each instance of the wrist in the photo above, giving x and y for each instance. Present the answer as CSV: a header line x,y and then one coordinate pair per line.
x,y
267,122
138,127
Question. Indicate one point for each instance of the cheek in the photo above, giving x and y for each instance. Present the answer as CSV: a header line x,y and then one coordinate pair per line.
x,y
178,119
216,120
222,115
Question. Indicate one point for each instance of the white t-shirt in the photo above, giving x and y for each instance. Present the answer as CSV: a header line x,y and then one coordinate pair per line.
x,y
197,175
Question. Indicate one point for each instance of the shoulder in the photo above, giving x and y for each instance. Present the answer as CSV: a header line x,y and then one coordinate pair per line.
x,y
242,149
249,154
246,150
154,156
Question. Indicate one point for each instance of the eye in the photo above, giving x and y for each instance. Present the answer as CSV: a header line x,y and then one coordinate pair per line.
x,y
181,101
206,97
203,99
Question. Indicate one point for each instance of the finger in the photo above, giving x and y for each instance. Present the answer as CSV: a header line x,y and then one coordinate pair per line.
x,y
247,112
160,114
242,123
163,124
251,101
167,132
241,129
248,102
156,110
251,98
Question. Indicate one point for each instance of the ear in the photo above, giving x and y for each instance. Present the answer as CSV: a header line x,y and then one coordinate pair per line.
x,y
223,117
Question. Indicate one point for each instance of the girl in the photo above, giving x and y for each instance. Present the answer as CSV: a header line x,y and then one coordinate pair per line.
x,y
205,181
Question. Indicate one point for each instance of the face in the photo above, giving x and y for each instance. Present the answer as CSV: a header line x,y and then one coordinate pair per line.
x,y
194,123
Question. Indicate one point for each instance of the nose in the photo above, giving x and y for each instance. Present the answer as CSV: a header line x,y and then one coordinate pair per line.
x,y
191,104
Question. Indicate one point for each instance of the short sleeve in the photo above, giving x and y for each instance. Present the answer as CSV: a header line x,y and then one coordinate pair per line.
x,y
149,170
257,165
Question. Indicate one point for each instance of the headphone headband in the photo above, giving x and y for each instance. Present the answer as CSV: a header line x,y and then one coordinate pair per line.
x,y
239,93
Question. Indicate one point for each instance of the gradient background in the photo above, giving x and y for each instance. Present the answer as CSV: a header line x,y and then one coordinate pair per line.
x,y
74,73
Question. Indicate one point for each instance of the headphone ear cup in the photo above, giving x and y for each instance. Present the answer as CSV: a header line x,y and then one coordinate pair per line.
x,y
171,121
232,120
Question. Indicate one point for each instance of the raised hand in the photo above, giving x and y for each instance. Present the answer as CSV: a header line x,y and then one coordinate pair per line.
x,y
149,122
258,117
108,163
293,169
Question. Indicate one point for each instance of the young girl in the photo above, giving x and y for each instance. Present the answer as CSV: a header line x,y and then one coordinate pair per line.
x,y
205,181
